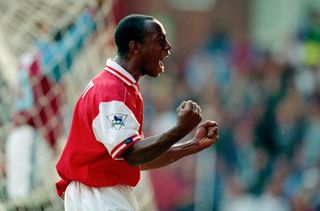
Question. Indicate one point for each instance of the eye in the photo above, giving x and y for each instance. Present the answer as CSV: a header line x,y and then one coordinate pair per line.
x,y
162,40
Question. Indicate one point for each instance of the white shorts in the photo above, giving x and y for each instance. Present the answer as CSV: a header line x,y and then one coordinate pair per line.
x,y
79,197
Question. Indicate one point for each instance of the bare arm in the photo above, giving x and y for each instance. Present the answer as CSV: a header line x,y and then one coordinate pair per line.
x,y
188,117
206,135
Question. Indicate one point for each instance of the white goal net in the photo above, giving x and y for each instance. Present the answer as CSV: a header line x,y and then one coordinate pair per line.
x,y
49,51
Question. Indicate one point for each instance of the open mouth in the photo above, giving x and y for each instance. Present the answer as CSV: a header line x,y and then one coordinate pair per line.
x,y
161,65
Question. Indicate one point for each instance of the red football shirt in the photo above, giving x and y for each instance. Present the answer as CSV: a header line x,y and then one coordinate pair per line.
x,y
107,120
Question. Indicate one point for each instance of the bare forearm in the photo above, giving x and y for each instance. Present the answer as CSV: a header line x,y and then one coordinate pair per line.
x,y
152,147
206,135
189,116
176,152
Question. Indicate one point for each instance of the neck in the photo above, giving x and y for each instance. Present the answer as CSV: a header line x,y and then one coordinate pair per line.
x,y
129,66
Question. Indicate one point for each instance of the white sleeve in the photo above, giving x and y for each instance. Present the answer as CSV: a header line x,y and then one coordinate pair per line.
x,y
116,127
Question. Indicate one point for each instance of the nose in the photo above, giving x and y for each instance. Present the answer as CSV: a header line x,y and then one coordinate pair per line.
x,y
167,45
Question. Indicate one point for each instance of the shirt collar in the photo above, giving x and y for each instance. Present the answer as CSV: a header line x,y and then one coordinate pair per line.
x,y
114,68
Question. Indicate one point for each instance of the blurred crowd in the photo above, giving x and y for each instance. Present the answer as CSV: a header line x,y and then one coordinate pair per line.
x,y
268,109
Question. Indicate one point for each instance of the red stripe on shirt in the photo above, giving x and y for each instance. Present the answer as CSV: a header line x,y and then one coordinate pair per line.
x,y
123,76
123,146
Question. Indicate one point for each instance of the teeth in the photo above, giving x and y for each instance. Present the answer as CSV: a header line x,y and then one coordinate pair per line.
x,y
161,63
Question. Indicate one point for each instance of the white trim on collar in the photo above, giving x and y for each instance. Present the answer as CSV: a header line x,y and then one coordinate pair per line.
x,y
114,68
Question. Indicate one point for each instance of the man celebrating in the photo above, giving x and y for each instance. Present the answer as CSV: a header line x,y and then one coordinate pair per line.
x,y
106,150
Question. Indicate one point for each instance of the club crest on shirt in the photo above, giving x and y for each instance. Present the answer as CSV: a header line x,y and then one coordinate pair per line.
x,y
117,120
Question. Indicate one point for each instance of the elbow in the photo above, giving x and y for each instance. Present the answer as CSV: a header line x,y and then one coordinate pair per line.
x,y
132,161
131,158
135,156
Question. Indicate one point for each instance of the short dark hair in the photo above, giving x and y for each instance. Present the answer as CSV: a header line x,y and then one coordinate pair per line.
x,y
132,27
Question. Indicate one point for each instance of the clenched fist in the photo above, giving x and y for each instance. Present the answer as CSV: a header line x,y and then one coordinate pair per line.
x,y
188,115
207,133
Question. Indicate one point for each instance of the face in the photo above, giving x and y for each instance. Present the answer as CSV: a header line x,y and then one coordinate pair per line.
x,y
155,48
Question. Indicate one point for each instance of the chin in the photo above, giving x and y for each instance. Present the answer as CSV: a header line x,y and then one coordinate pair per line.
x,y
159,73
153,73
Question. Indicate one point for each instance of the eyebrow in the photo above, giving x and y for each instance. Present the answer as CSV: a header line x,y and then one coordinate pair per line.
x,y
156,34
161,35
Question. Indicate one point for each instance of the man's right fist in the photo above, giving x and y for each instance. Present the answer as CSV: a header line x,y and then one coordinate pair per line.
x,y
189,115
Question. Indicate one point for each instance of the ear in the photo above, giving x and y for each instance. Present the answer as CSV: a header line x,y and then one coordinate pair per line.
x,y
135,47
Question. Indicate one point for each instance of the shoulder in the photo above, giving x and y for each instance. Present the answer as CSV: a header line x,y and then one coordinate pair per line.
x,y
107,85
